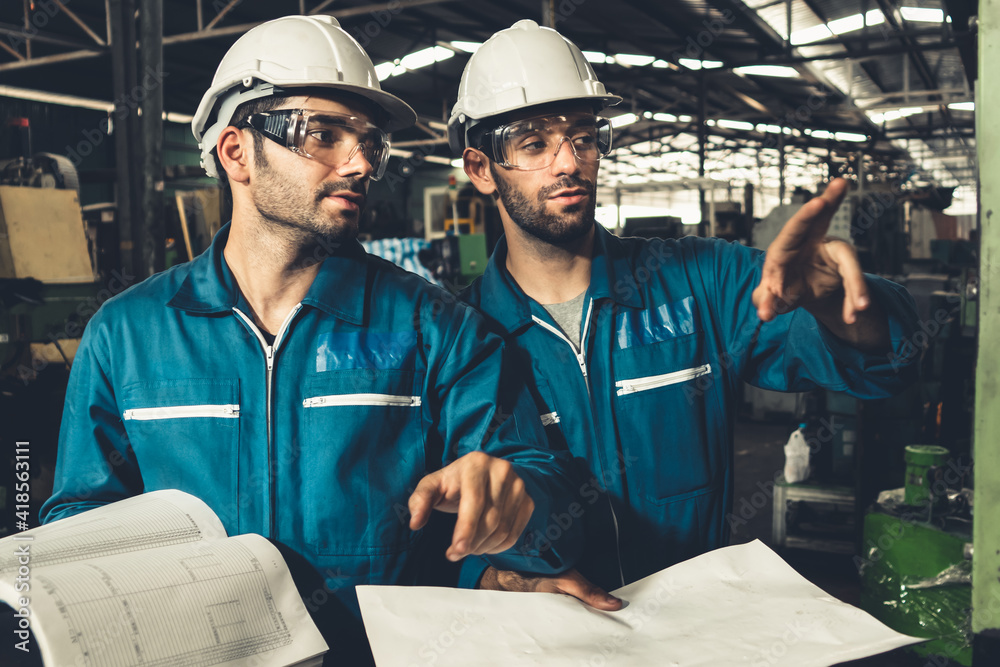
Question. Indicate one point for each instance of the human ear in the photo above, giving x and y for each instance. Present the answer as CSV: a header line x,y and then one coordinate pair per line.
x,y
234,148
477,168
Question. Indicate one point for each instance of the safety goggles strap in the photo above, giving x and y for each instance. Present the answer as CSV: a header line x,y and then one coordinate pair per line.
x,y
272,124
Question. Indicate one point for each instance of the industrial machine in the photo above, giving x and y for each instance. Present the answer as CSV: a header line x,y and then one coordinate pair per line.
x,y
916,561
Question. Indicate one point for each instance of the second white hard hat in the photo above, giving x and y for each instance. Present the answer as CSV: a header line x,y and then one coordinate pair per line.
x,y
522,66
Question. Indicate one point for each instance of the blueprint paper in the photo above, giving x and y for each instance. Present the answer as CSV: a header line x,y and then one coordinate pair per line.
x,y
741,605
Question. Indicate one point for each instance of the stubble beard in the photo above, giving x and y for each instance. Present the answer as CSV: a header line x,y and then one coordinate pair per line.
x,y
533,219
280,202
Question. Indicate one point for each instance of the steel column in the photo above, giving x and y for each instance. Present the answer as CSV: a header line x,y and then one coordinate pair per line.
x,y
151,124
986,437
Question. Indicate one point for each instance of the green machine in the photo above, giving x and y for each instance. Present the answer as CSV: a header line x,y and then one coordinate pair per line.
x,y
460,259
916,568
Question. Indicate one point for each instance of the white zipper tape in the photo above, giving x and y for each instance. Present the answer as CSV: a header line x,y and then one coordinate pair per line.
x,y
655,381
183,412
360,399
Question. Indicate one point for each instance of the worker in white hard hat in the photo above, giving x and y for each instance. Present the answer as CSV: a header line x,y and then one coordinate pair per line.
x,y
305,390
635,350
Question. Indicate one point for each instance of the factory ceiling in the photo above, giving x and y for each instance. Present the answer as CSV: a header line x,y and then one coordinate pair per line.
x,y
884,86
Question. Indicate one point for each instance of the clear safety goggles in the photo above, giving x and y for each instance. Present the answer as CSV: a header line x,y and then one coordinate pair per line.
x,y
331,138
533,143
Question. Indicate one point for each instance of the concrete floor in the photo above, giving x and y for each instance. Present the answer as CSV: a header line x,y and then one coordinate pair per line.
x,y
759,455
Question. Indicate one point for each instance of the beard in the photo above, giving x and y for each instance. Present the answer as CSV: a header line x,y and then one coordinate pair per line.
x,y
571,224
298,214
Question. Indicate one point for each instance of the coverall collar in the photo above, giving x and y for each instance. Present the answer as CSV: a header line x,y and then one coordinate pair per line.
x,y
504,299
339,287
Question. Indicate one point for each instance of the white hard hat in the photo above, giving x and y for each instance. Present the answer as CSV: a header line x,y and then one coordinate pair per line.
x,y
522,66
288,52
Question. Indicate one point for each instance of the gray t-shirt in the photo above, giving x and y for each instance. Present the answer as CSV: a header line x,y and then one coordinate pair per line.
x,y
568,316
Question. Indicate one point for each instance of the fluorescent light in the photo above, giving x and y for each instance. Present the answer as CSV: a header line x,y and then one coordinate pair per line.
x,y
172,117
633,60
768,70
773,129
665,117
662,64
684,118
874,17
424,57
850,136
438,159
384,70
922,14
710,122
624,119
691,63
468,47
813,34
910,111
736,125
595,56
963,106
458,163
848,24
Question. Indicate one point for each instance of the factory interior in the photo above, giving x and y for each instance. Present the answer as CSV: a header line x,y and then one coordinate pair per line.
x,y
734,114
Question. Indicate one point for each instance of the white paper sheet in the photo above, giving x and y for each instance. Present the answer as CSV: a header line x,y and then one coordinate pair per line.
x,y
742,605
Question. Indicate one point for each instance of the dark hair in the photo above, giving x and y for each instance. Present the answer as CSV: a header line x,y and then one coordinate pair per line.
x,y
244,111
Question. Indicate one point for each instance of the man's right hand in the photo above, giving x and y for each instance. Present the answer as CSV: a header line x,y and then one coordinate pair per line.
x,y
569,582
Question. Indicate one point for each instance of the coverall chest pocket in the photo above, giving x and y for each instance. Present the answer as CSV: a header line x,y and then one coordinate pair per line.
x,y
185,435
362,454
660,395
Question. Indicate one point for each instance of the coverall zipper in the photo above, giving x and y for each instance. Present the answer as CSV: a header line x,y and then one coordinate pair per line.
x,y
581,359
360,399
182,412
269,351
657,381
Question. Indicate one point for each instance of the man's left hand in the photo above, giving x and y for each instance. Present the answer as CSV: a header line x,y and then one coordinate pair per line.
x,y
804,267
570,583
489,497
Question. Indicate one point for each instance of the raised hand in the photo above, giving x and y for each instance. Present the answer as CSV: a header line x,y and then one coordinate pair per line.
x,y
803,266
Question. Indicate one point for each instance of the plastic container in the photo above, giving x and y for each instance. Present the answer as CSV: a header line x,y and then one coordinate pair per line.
x,y
797,457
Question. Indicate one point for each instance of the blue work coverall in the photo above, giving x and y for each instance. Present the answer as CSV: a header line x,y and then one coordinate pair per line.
x,y
648,406
376,379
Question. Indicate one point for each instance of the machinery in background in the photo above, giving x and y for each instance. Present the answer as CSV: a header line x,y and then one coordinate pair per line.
x,y
456,223
656,227
458,260
915,567
48,290
35,170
